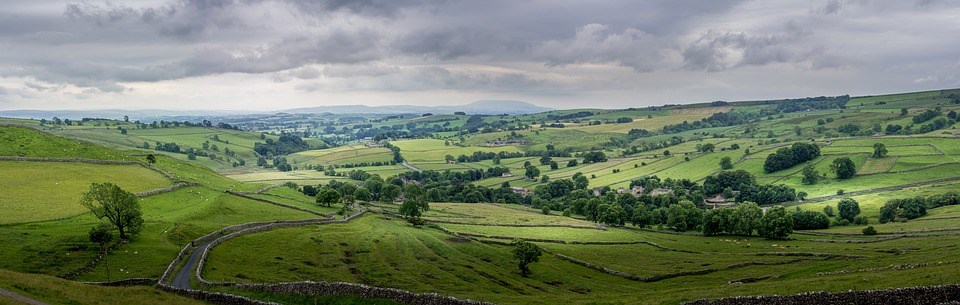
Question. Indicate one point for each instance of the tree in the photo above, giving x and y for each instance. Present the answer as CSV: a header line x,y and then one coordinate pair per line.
x,y
119,207
848,209
580,181
725,163
362,194
532,172
747,217
903,111
879,150
524,253
810,220
572,163
952,114
554,165
810,175
102,236
776,223
828,209
709,147
843,167
151,158
328,196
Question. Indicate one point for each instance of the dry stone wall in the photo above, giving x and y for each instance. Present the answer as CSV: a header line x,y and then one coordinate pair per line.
x,y
923,295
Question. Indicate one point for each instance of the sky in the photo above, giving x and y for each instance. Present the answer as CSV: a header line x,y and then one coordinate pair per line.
x,y
279,54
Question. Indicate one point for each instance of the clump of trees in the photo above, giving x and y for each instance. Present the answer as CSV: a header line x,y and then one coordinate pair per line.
x,y
787,157
747,218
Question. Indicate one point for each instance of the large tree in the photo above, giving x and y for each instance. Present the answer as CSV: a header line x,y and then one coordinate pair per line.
x,y
524,253
879,150
810,174
119,207
328,196
776,223
848,209
844,168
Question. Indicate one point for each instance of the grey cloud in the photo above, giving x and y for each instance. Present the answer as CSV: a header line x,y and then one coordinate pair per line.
x,y
595,43
714,49
36,86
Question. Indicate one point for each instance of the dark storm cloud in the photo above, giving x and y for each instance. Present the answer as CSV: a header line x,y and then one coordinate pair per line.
x,y
536,47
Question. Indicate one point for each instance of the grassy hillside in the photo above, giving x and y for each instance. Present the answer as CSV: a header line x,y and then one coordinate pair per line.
x,y
53,290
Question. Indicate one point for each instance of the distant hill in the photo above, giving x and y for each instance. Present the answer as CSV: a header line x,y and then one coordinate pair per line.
x,y
477,107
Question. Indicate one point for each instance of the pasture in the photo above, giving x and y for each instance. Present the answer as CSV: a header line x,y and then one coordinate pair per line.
x,y
35,191
427,259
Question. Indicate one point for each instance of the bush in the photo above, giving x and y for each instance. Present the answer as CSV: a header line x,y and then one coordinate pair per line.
x,y
839,192
828,209
869,231
841,222
810,220
861,220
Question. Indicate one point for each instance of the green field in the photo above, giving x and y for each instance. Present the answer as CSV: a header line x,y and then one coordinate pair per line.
x,y
54,188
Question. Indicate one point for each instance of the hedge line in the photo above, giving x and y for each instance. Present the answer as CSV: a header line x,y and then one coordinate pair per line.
x,y
922,295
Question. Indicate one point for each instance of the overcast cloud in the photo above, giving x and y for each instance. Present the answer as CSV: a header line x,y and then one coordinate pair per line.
x,y
276,54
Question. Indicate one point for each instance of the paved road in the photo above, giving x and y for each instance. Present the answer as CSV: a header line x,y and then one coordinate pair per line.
x,y
20,298
182,280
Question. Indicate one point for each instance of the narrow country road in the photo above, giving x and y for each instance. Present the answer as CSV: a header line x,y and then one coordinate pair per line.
x,y
19,298
411,167
182,280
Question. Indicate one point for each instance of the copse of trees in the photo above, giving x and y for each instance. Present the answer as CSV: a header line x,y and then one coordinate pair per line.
x,y
747,218
288,143
927,115
903,209
879,150
787,157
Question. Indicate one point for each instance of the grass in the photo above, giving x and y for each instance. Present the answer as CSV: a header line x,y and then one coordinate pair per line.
x,y
342,155
432,150
35,191
427,260
22,141
53,290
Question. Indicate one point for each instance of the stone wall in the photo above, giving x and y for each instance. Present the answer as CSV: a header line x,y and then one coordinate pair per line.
x,y
244,195
137,281
171,188
923,295
214,297
365,291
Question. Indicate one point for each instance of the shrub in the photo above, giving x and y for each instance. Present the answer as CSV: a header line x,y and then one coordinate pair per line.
x,y
861,220
869,231
841,222
848,209
810,220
